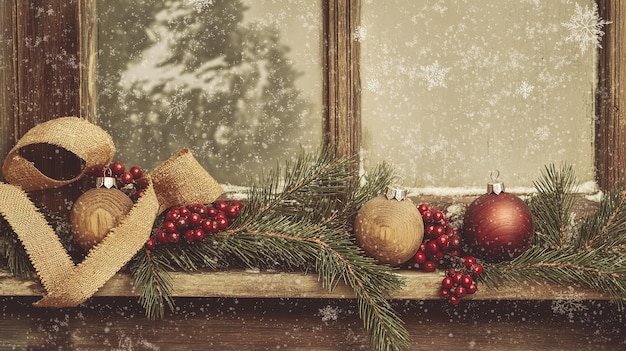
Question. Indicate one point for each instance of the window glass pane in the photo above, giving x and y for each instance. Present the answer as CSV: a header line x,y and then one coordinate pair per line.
x,y
454,89
238,82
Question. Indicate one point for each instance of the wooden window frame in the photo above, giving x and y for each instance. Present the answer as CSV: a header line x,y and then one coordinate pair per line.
x,y
35,92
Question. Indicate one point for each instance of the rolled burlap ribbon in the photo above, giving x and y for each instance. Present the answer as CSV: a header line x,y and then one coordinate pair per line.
x,y
178,181
86,140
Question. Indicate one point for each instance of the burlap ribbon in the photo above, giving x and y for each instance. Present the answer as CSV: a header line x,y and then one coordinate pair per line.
x,y
180,180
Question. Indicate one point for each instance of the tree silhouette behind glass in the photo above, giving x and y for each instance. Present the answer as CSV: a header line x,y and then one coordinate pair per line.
x,y
174,75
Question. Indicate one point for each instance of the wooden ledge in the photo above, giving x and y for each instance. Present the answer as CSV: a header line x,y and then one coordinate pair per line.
x,y
249,284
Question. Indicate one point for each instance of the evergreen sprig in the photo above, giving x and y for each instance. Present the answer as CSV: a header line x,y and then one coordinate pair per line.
x,y
297,217
591,254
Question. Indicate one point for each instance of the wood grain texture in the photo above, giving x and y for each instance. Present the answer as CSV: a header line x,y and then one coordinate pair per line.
x,y
611,123
342,120
247,284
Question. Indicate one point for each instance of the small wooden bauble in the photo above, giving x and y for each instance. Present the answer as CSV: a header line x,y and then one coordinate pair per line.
x,y
95,213
389,230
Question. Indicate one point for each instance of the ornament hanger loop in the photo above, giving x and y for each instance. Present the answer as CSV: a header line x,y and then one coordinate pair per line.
x,y
494,175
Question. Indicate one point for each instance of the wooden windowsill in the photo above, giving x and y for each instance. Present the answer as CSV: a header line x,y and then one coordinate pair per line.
x,y
249,284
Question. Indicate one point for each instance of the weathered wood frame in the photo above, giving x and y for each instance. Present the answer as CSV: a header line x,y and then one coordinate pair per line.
x,y
34,91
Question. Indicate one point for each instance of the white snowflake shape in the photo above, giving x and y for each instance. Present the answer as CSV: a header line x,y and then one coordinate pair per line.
x,y
329,313
435,75
585,27
200,5
360,33
176,106
568,303
525,89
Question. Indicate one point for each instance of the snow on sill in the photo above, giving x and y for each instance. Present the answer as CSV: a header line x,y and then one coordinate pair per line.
x,y
589,190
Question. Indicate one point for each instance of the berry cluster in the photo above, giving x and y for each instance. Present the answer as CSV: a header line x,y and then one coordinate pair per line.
x,y
440,239
460,282
194,222
127,180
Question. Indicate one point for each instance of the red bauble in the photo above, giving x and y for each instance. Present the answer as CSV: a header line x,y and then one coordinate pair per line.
x,y
498,226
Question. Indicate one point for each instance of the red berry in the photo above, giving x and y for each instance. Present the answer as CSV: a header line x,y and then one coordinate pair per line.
x,y
427,216
136,172
456,277
232,211
447,283
422,208
198,234
472,289
236,204
469,261
445,293
442,241
184,212
195,219
466,281
451,272
117,168
173,214
222,222
220,205
438,216
161,236
207,225
182,223
431,247
189,235
168,226
420,257
455,242
126,178
151,243
212,211
455,300
477,269
173,237
429,230
429,266
460,291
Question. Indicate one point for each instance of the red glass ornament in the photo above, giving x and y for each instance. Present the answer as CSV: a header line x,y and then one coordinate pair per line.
x,y
498,226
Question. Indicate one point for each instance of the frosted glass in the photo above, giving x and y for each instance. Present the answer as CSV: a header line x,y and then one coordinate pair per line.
x,y
238,82
455,89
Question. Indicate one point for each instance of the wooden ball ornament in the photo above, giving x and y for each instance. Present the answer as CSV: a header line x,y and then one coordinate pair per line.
x,y
389,228
97,211
497,226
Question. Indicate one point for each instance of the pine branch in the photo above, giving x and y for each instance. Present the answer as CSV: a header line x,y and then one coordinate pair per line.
x,y
15,255
551,206
594,256
299,218
150,274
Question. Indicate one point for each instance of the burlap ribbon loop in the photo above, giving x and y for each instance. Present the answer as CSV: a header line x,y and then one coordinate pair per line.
x,y
86,140
178,181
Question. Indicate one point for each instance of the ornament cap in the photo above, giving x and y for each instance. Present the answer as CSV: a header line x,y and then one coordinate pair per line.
x,y
395,193
107,180
495,186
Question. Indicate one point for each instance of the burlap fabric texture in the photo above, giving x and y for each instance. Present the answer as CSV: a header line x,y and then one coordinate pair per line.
x,y
180,180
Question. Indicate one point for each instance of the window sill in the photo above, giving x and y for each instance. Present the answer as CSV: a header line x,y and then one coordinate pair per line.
x,y
249,284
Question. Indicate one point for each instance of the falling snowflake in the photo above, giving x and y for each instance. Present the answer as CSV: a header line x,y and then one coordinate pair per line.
x,y
200,5
525,89
585,27
329,313
435,75
176,106
568,303
359,34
